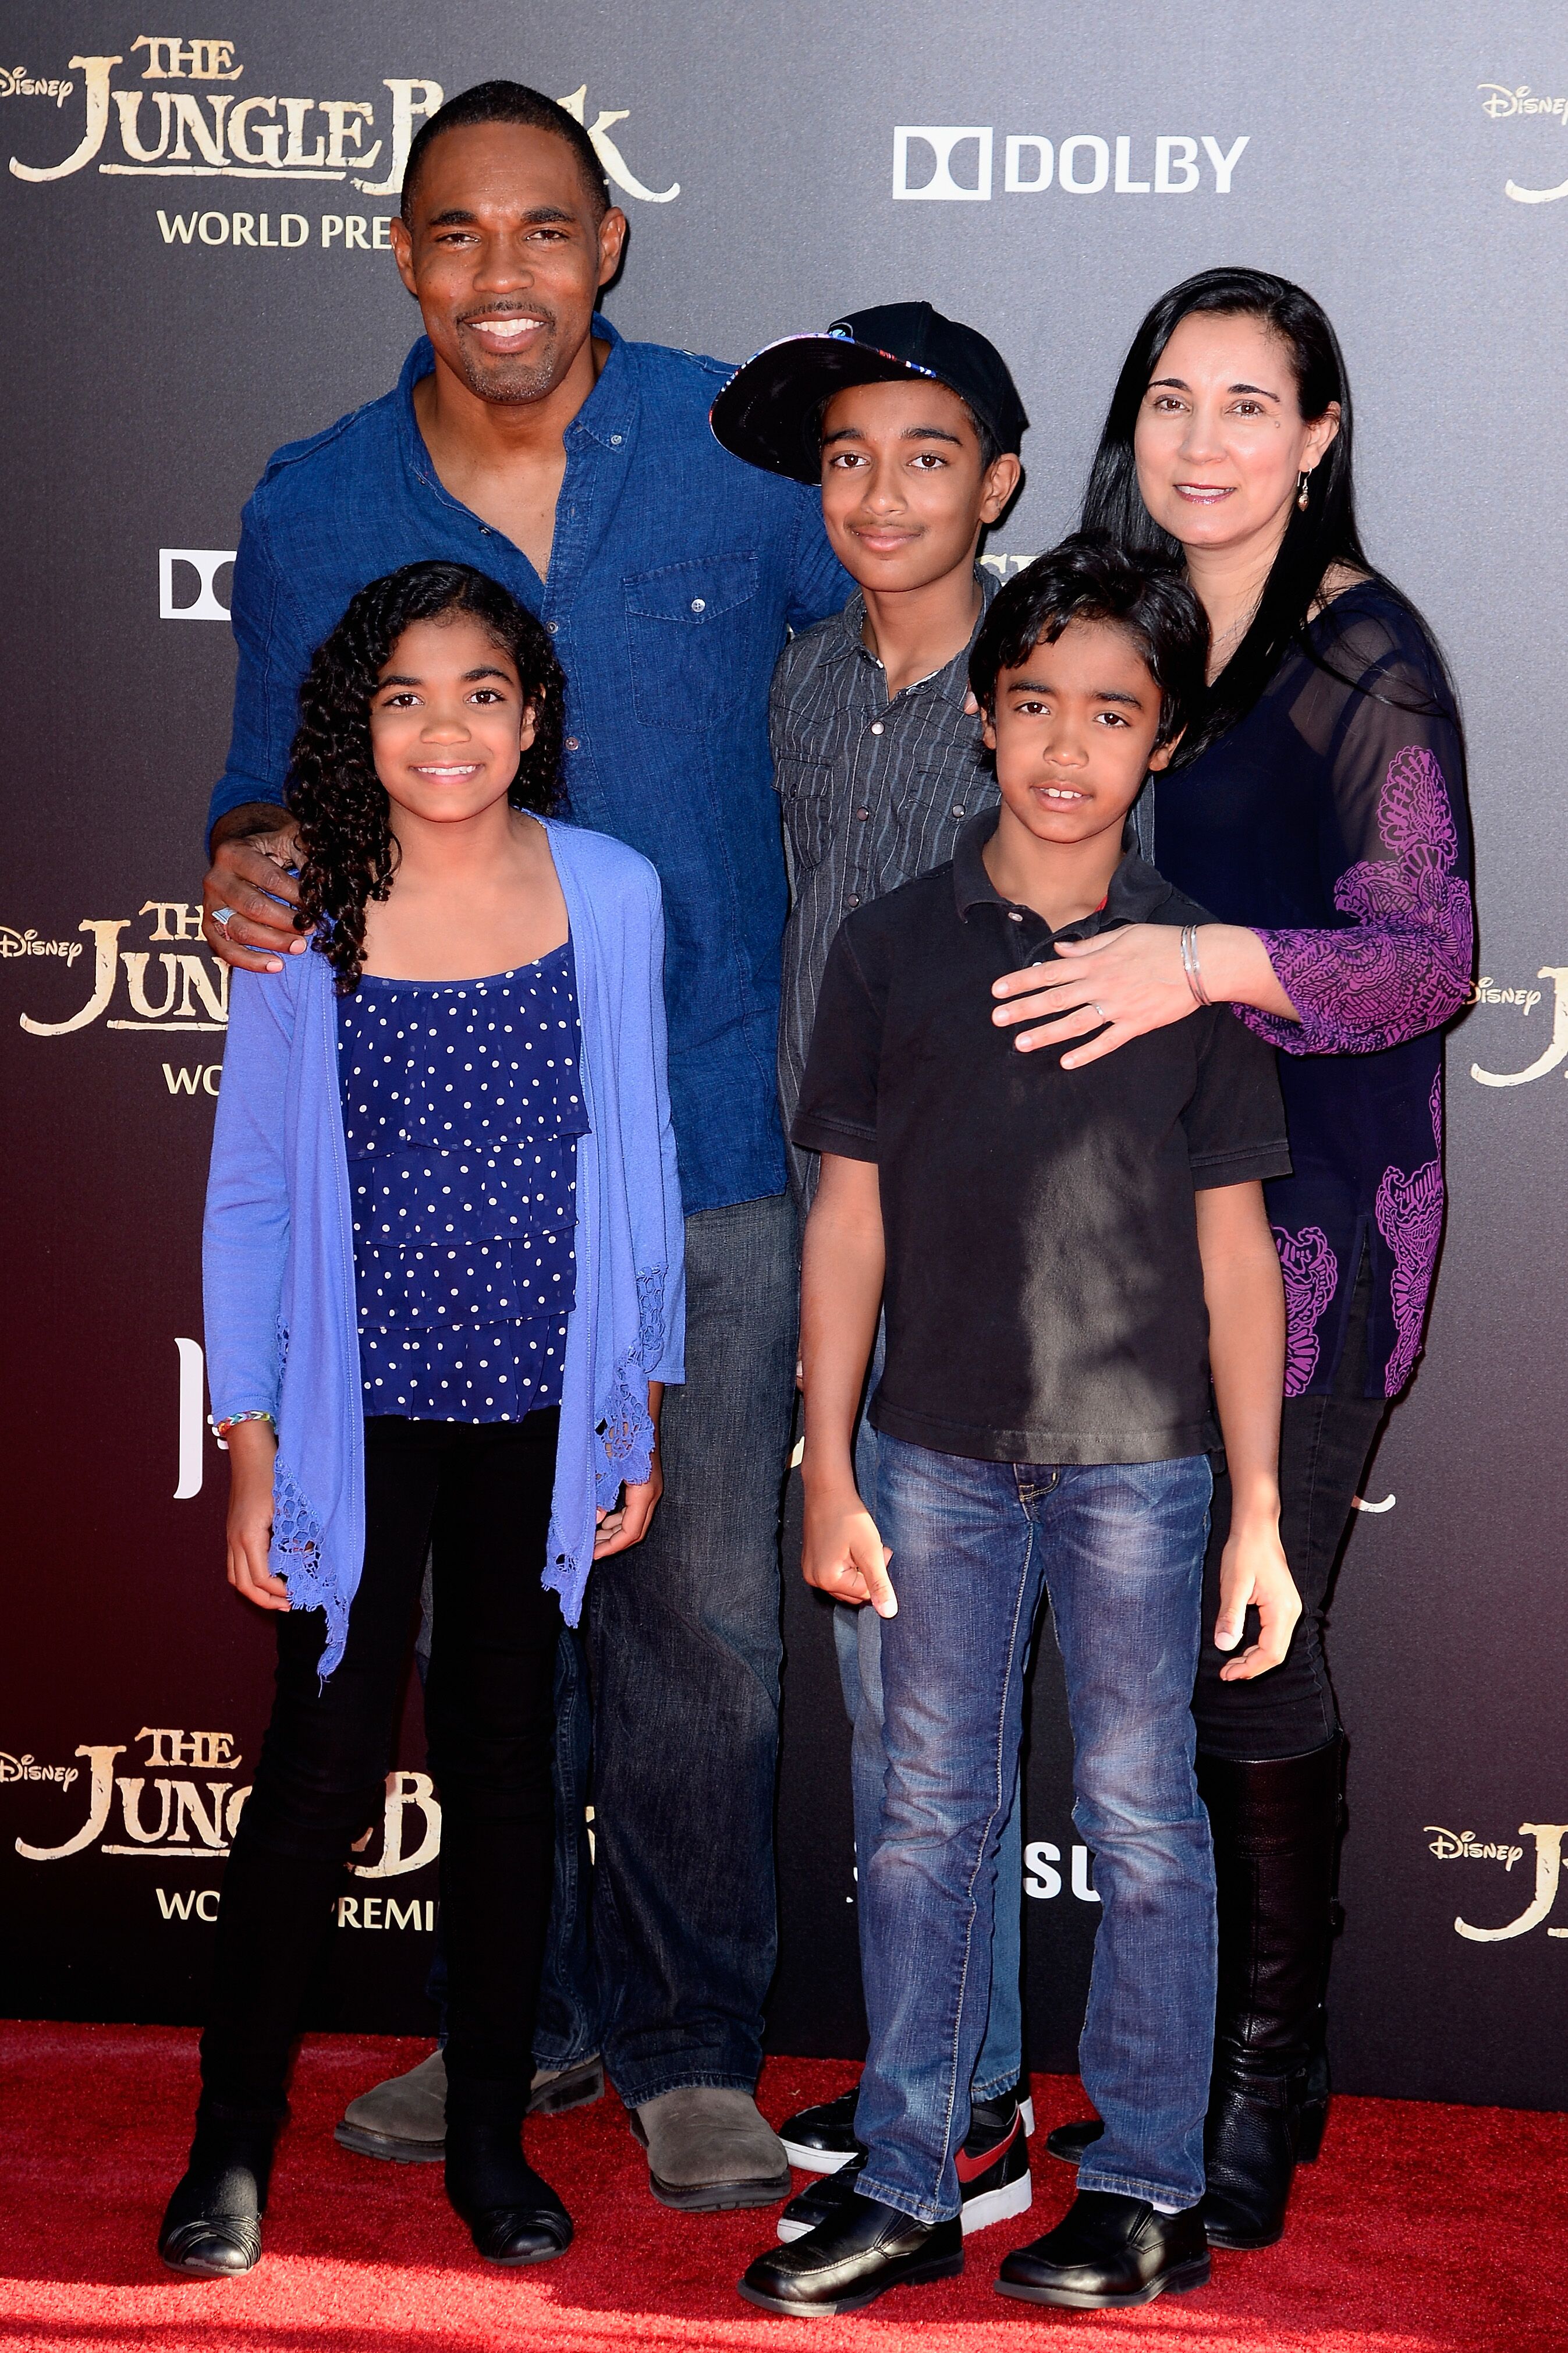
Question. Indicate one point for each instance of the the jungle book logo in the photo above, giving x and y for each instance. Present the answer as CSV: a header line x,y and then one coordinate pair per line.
x,y
169,987
177,115
1464,1846
180,1802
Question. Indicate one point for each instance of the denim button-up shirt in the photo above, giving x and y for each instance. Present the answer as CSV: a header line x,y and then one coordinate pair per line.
x,y
675,573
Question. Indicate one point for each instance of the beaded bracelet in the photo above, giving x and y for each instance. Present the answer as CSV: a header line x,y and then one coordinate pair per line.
x,y
1190,965
220,1429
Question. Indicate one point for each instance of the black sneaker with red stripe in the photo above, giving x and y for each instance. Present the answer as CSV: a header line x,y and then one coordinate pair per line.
x,y
993,2175
821,2139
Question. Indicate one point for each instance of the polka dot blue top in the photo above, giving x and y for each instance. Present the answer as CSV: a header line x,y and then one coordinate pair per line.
x,y
462,1104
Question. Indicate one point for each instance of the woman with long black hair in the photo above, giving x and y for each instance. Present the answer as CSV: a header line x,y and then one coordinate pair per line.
x,y
1317,808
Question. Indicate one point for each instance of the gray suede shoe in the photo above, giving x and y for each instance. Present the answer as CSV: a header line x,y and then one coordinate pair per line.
x,y
709,2149
404,2119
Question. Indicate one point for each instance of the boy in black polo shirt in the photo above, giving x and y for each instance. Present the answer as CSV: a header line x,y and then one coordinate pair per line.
x,y
1066,1256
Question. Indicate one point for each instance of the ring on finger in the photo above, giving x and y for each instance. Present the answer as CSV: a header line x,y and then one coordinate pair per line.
x,y
222,916
1100,1008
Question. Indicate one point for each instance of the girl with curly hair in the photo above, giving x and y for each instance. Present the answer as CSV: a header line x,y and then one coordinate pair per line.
x,y
443,1291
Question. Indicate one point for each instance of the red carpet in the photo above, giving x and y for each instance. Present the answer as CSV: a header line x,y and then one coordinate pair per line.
x,y
1407,2237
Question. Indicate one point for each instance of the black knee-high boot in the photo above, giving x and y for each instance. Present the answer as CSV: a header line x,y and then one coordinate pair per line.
x,y
1275,1825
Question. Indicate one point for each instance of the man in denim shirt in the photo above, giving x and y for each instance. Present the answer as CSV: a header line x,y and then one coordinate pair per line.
x,y
526,438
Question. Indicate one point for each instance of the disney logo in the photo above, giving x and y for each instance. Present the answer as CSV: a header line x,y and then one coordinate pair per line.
x,y
25,1769
16,83
1500,103
1463,1846
27,942
1486,991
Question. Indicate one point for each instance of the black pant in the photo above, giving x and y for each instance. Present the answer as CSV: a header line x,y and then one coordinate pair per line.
x,y
476,1495
1324,1445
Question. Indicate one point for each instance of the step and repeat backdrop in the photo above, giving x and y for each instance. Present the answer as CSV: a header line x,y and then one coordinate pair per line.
x,y
193,233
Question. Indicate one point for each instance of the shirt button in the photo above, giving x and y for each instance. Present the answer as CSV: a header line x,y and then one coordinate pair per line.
x,y
699,604
571,744
614,440
852,901
862,815
1013,916
876,728
958,809
554,627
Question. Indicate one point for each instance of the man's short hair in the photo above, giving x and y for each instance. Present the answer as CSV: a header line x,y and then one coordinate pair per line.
x,y
1089,577
507,101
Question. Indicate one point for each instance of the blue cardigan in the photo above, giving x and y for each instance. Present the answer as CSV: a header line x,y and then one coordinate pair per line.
x,y
277,1244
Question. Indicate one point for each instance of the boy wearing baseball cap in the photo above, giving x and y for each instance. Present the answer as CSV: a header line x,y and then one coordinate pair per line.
x,y
912,424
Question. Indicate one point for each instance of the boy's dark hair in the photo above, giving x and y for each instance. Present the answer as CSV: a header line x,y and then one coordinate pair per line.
x,y
1089,577
347,854
507,101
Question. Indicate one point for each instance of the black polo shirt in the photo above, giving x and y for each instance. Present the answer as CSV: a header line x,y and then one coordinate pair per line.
x,y
1044,1298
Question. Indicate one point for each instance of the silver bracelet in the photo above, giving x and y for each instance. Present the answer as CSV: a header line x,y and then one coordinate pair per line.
x,y
1190,966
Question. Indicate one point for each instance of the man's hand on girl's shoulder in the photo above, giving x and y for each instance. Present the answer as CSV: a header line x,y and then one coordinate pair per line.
x,y
248,890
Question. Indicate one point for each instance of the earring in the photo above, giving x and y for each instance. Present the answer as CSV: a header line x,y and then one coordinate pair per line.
x,y
1301,491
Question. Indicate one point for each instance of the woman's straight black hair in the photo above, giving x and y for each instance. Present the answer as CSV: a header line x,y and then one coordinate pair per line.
x,y
1317,539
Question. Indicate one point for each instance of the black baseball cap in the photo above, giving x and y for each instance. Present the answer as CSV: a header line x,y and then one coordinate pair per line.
x,y
767,413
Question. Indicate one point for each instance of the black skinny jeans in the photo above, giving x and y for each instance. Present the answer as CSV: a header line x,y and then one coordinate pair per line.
x,y
477,1496
1324,1446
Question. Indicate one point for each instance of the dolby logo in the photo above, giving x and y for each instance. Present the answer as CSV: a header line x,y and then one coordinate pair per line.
x,y
955,163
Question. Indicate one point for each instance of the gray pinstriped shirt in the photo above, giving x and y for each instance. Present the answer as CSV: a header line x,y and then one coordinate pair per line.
x,y
874,791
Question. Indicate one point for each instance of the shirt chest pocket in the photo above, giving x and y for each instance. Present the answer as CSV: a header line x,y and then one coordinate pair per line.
x,y
689,627
806,796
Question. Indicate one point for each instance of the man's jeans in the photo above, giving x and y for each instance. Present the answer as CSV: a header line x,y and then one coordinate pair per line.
x,y
685,1645
1120,1549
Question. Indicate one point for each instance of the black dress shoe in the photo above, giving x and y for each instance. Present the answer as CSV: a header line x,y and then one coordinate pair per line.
x,y
821,2139
1106,2251
851,2259
1070,2141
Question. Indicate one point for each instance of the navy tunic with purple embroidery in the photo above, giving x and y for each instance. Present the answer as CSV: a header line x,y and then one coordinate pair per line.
x,y
1332,821
462,1104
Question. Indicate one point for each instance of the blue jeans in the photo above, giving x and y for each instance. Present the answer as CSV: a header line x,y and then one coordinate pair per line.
x,y
566,2023
858,1638
1120,1548
685,1644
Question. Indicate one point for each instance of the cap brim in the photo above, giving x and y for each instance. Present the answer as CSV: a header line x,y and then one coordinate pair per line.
x,y
767,412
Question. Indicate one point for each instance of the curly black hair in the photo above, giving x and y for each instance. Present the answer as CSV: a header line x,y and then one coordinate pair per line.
x,y
347,854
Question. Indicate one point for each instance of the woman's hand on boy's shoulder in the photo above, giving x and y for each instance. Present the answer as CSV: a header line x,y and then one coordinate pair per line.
x,y
843,1554
1254,1573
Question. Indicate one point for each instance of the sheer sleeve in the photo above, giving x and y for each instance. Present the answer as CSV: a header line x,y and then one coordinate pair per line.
x,y
1396,841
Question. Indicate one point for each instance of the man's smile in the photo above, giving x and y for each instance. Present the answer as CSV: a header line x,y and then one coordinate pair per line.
x,y
505,331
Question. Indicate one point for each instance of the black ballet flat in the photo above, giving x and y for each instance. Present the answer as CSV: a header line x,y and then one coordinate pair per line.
x,y
513,2215
212,2225
211,2246
514,2235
